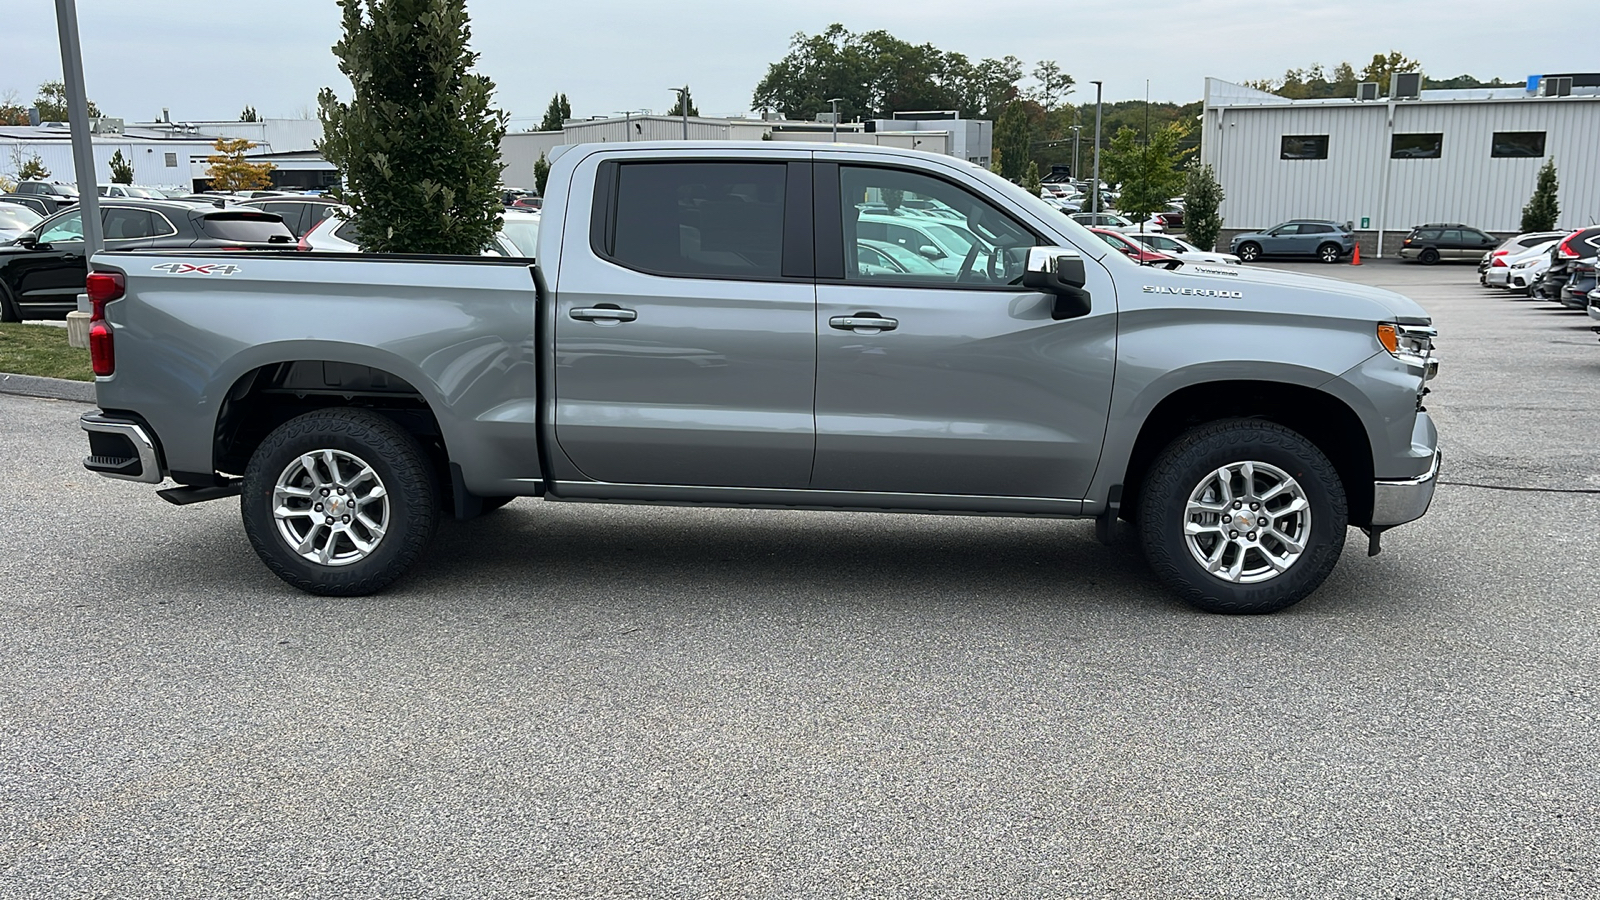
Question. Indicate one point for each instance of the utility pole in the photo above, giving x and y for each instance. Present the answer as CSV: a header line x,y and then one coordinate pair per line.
x,y
835,102
1076,172
1096,186
627,121
683,107
78,120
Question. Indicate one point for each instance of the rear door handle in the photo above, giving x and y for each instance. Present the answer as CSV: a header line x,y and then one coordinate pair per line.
x,y
864,323
603,313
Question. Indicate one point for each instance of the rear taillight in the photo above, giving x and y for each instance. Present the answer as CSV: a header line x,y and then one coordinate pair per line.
x,y
1500,253
102,288
1498,261
1564,249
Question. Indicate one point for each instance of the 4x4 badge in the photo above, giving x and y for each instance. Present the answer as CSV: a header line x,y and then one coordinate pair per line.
x,y
191,269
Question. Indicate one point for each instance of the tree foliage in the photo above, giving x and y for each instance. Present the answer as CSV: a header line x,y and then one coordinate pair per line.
x,y
1051,85
1013,136
418,145
229,170
1030,178
249,114
677,105
1202,200
121,169
33,169
541,174
876,74
52,103
1315,82
12,112
1147,173
556,114
1544,207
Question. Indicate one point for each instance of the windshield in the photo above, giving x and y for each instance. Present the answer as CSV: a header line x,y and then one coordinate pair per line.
x,y
16,217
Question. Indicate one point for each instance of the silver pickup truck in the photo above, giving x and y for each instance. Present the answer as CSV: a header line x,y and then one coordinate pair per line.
x,y
772,325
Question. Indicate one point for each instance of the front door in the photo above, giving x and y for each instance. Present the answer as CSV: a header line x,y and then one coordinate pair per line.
x,y
949,381
686,341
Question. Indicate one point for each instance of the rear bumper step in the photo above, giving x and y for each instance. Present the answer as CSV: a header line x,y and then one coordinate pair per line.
x,y
121,449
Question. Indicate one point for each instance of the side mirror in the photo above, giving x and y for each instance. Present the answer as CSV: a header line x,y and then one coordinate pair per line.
x,y
930,251
27,239
1055,270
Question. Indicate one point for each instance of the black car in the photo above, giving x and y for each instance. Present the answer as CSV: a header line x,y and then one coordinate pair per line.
x,y
42,272
1428,244
298,212
1575,246
59,196
1580,281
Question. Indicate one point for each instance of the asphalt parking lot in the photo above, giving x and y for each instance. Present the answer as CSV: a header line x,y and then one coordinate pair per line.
x,y
584,701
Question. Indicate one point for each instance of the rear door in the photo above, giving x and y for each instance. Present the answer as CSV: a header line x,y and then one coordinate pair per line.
x,y
951,382
685,335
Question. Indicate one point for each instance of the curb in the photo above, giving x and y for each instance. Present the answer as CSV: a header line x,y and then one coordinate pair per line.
x,y
51,388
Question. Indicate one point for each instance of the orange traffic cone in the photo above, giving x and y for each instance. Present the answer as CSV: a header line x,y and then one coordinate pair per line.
x,y
1355,257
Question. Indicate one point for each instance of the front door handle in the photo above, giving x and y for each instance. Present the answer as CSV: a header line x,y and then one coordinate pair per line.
x,y
603,313
864,323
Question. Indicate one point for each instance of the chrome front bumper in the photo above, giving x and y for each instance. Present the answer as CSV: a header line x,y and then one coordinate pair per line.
x,y
1398,502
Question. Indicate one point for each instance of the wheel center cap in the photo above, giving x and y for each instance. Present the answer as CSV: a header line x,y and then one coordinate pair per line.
x,y
337,506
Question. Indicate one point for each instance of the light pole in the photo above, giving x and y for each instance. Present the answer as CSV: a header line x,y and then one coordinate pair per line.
x,y
1076,172
683,107
1096,186
78,119
835,102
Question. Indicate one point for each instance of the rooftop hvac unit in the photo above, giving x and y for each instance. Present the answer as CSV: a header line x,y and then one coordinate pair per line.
x,y
106,125
1559,86
1405,86
1367,91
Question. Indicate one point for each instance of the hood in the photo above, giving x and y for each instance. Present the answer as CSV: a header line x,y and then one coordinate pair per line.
x,y
1330,295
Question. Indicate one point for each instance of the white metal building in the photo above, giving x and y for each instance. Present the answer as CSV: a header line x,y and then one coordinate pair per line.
x,y
1388,164
158,159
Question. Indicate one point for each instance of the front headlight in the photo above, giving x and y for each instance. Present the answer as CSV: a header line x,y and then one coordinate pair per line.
x,y
1411,344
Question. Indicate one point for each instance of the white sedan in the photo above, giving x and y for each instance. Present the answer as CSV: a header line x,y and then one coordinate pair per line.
x,y
1183,249
337,234
1114,222
1520,271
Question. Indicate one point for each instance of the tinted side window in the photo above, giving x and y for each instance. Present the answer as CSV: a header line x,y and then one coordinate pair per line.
x,y
246,228
1304,146
1428,234
1452,236
700,219
123,224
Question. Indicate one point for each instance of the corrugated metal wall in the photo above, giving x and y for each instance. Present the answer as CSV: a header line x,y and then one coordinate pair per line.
x,y
1465,184
149,159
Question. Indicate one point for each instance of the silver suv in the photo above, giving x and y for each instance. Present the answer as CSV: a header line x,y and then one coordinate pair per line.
x,y
1317,238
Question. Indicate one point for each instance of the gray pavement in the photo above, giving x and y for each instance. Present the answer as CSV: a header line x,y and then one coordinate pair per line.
x,y
590,701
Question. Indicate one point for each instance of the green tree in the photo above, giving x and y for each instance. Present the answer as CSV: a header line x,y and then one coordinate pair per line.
x,y
249,114
121,169
418,145
1146,174
1202,198
1053,85
1012,139
557,113
1030,178
1544,206
12,112
33,170
541,174
52,103
1383,67
677,106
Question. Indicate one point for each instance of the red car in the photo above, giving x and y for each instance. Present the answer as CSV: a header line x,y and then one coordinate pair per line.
x,y
1134,250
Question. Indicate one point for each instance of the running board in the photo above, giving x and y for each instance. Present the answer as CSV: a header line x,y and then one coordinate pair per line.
x,y
200,493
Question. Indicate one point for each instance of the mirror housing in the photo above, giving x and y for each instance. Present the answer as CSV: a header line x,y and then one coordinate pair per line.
x,y
1058,271
930,251
27,239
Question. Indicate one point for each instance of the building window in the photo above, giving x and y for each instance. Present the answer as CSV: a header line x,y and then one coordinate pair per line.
x,y
1515,144
1304,146
1416,146
172,160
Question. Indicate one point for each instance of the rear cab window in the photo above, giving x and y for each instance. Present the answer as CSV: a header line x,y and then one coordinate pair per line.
x,y
247,228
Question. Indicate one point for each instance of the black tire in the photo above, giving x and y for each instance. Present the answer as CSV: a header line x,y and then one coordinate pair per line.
x,y
1329,253
1429,256
410,510
8,307
1185,467
1249,251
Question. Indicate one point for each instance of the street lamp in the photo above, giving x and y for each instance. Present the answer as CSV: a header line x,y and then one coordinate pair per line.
x,y
835,102
1076,172
683,106
1097,90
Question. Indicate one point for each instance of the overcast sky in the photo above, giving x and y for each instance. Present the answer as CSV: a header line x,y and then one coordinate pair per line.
x,y
206,59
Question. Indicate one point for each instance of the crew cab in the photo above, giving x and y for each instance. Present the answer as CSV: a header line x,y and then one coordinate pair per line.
x,y
702,327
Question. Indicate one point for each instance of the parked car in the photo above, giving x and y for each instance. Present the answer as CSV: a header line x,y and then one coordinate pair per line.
x,y
1580,281
527,203
336,233
1439,241
1521,271
38,204
127,191
943,242
1170,219
1574,246
882,258
42,272
299,212
16,219
1134,250
59,195
1514,247
1114,222
521,227
1189,253
1317,238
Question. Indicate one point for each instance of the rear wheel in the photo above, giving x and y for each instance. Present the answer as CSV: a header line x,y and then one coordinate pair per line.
x,y
1249,251
1242,516
339,501
1328,253
1429,256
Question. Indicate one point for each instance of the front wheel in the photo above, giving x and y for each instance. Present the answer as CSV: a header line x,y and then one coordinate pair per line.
x,y
1328,253
1242,516
339,501
1249,251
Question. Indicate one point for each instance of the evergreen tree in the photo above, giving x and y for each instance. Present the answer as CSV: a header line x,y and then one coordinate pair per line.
x,y
1202,198
541,174
121,169
33,170
1544,206
1012,137
1030,178
558,112
418,145
677,106
249,114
